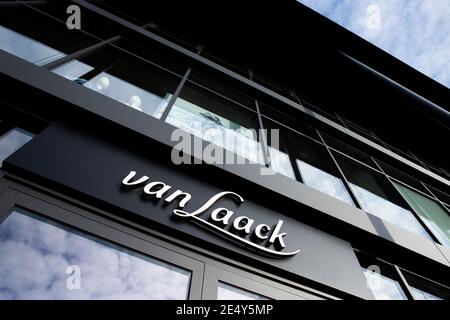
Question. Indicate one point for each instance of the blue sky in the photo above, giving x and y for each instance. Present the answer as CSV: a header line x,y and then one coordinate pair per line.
x,y
414,31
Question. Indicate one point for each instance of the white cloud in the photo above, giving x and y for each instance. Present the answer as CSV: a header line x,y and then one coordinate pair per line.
x,y
35,256
414,31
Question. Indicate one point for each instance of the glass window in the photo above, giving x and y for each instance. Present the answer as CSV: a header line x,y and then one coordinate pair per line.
x,y
27,48
25,33
11,141
280,161
217,120
383,287
226,291
442,196
423,289
432,214
381,278
378,197
313,165
41,259
131,81
317,170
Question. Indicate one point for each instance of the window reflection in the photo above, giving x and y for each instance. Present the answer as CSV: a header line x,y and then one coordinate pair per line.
x,y
281,163
383,287
317,169
11,141
434,216
27,48
25,33
388,211
36,254
324,182
228,292
376,196
423,295
216,120
73,70
381,278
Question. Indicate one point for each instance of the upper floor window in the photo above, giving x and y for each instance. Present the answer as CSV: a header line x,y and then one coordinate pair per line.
x,y
377,196
133,82
300,157
214,118
37,38
433,214
11,141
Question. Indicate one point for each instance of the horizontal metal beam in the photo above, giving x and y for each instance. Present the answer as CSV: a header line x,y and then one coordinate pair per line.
x,y
428,108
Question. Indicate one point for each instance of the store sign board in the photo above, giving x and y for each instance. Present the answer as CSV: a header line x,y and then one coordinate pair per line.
x,y
241,229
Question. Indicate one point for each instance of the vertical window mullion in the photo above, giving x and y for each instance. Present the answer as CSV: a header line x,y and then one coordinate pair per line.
x,y
175,95
404,284
262,133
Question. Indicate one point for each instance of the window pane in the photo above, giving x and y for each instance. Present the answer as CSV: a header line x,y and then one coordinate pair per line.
x,y
323,181
423,289
133,82
381,278
434,216
382,287
44,260
281,163
217,120
26,34
229,292
11,141
27,48
317,170
378,197
423,295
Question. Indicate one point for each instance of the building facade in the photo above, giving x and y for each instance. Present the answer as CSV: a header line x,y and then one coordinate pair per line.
x,y
215,151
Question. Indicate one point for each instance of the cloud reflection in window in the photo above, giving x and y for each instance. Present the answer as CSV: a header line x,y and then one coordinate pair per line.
x,y
11,141
36,253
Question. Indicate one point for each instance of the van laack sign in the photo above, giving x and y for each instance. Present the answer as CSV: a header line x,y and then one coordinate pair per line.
x,y
265,239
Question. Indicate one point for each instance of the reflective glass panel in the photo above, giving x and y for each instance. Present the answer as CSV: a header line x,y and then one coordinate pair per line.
x,y
133,82
381,278
217,120
27,48
423,295
37,38
378,197
435,217
383,287
317,169
424,289
323,181
11,141
226,291
41,259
